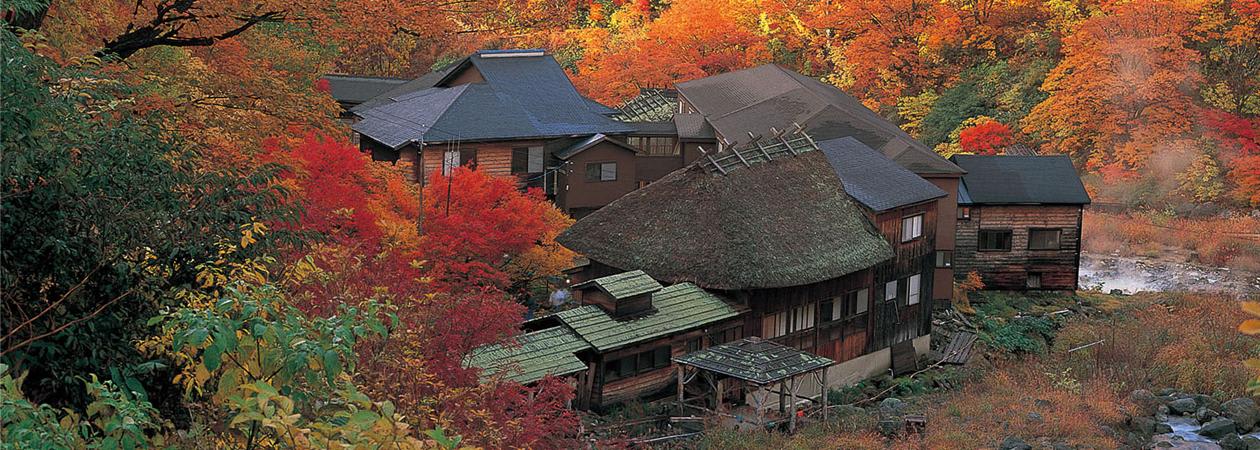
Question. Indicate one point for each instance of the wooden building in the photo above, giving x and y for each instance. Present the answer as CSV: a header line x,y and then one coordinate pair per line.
x,y
619,345
773,227
1019,221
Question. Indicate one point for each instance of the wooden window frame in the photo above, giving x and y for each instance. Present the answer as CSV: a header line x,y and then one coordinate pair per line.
x,y
964,213
1058,240
914,289
944,259
600,177
1010,244
921,222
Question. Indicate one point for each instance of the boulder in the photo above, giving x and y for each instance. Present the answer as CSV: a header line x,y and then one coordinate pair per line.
x,y
1166,392
1183,406
1218,428
892,406
1232,442
1253,443
1145,400
1161,428
1014,443
1243,411
1207,401
1205,415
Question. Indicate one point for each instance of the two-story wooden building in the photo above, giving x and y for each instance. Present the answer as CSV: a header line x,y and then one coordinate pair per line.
x,y
752,100
1019,221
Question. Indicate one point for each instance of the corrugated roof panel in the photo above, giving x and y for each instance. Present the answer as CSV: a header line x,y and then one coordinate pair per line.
x,y
679,307
540,353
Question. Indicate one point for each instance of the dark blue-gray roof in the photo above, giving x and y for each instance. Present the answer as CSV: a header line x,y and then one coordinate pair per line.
x,y
873,179
1005,179
755,99
354,89
526,94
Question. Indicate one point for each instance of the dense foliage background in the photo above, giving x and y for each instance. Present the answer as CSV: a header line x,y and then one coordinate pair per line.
x,y
192,250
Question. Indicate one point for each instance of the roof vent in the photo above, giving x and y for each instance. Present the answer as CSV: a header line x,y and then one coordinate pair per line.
x,y
513,53
624,295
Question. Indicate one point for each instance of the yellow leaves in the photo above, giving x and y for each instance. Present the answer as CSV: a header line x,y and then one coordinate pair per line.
x,y
1251,326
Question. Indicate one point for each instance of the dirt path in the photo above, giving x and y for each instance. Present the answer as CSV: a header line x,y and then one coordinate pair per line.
x,y
1132,274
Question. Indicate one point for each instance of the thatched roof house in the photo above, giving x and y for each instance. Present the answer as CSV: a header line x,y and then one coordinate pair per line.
x,y
761,224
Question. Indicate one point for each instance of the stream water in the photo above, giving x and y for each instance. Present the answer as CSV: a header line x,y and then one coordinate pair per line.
x,y
1135,274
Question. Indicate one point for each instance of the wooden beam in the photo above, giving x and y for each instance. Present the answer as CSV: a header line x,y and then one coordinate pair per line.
x,y
680,390
792,405
718,394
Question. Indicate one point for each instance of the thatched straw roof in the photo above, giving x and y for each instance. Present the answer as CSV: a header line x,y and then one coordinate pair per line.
x,y
784,222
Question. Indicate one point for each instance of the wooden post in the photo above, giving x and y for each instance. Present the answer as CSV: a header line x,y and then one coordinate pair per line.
x,y
718,394
681,410
782,392
792,405
824,392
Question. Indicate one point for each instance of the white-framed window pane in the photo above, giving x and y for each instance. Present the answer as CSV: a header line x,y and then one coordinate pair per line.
x,y
450,160
608,172
911,227
535,159
912,288
863,300
890,290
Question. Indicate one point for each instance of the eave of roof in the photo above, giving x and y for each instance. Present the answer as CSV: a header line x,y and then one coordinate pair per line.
x,y
533,355
593,140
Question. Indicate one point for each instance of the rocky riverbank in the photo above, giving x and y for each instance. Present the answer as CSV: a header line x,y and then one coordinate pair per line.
x,y
1164,273
1178,420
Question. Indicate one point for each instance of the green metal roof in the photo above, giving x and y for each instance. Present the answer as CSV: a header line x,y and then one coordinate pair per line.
x,y
624,285
540,353
679,307
755,360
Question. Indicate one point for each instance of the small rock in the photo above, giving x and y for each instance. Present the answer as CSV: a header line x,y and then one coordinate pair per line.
x,y
1218,428
1144,425
1163,410
1161,428
1167,391
1207,401
1062,446
1041,403
1205,415
1243,411
1233,442
1034,417
1183,406
1014,443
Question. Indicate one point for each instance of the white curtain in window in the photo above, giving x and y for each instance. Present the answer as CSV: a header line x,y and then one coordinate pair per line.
x,y
912,298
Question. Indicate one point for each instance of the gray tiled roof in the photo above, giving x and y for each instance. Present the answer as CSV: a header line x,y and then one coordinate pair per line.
x,y
1007,179
522,97
693,126
752,100
873,179
358,89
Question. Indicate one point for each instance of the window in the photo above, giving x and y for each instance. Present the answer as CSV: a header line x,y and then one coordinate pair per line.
x,y
847,306
601,171
527,159
455,158
693,345
964,213
727,335
1034,280
913,286
660,357
890,291
638,363
1044,238
911,227
944,259
787,322
825,313
995,240
654,146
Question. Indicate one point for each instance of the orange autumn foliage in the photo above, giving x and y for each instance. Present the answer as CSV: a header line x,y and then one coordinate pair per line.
x,y
1123,88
